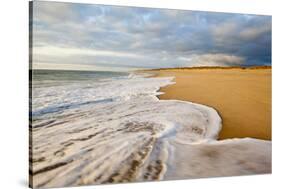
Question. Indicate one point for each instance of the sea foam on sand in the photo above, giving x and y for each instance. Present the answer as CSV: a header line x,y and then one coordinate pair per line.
x,y
119,131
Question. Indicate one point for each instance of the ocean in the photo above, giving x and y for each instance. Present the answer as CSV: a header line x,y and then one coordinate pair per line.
x,y
56,91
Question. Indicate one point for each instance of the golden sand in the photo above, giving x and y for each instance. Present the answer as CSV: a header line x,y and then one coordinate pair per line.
x,y
241,96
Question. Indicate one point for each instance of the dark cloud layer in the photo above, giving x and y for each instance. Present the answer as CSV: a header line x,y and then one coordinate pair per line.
x,y
128,38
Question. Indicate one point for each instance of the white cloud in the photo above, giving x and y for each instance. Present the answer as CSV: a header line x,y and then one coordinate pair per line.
x,y
68,51
81,67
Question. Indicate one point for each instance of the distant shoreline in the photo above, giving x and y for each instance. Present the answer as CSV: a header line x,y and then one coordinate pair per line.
x,y
210,67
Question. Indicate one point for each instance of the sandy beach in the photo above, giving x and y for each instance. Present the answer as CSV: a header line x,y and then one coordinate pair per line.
x,y
241,96
117,130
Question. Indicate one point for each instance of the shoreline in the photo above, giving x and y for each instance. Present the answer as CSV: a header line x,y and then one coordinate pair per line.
x,y
152,139
241,96
211,68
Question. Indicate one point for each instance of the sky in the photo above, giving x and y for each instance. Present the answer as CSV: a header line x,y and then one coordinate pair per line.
x,y
73,36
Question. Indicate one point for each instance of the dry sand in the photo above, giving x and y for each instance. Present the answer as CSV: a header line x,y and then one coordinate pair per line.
x,y
241,96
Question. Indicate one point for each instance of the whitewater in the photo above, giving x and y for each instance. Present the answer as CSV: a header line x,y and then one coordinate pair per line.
x,y
114,129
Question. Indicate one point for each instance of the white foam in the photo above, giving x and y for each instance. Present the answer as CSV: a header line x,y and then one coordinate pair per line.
x,y
52,98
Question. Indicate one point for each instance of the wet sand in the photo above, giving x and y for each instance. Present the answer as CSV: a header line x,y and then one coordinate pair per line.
x,y
241,96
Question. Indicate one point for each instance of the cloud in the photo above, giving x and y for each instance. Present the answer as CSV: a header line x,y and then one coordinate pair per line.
x,y
53,13
224,29
217,60
63,52
255,32
130,37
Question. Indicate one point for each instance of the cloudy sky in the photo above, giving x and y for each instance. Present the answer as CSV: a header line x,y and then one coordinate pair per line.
x,y
96,37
